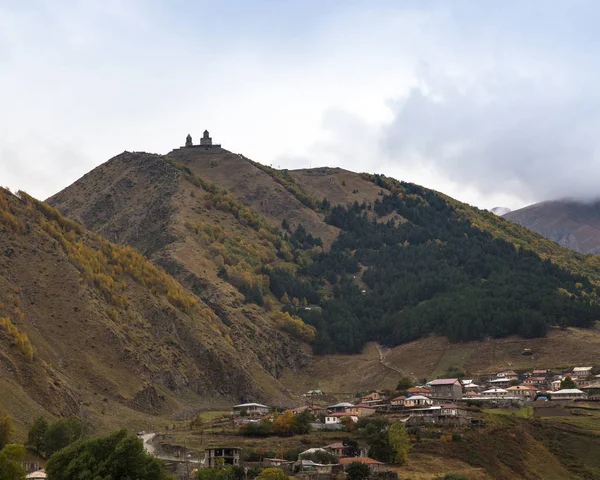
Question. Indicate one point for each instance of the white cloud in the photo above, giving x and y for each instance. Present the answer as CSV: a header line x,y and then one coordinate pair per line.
x,y
450,97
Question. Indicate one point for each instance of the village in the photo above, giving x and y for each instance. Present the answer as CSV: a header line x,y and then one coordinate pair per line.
x,y
320,439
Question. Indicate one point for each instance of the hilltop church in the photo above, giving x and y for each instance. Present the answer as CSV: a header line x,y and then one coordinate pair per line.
x,y
205,142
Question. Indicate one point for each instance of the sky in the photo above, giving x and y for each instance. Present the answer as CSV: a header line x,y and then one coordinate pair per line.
x,y
493,103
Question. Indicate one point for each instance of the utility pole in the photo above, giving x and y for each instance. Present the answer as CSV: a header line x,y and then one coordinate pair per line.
x,y
187,466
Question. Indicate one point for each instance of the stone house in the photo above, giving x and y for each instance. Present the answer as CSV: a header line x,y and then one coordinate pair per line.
x,y
446,388
229,456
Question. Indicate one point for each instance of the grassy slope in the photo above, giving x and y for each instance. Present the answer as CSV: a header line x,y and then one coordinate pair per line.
x,y
262,191
104,328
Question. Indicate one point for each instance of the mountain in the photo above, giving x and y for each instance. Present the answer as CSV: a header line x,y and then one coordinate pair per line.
x,y
572,224
358,257
92,328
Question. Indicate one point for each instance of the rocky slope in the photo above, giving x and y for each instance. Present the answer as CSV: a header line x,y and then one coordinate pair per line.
x,y
91,328
572,224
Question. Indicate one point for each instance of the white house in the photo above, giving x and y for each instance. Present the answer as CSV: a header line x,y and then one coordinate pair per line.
x,y
418,401
250,409
335,418
582,372
39,475
496,392
522,391
569,394
499,383
339,407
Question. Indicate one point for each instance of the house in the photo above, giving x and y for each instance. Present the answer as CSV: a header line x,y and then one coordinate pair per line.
x,y
372,397
535,381
374,465
229,456
471,387
287,465
526,391
451,410
310,451
417,401
581,372
499,383
339,407
37,475
307,408
398,401
336,449
539,373
321,470
495,393
446,388
336,418
250,410
419,391
509,375
592,388
569,394
555,384
361,410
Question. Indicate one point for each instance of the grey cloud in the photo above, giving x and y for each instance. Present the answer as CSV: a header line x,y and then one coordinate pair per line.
x,y
504,133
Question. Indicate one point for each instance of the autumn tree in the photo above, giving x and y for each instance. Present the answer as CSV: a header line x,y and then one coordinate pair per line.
x,y
7,430
11,458
284,424
399,442
272,474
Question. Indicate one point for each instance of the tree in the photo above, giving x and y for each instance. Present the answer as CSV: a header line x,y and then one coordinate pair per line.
x,y
272,474
399,442
284,424
348,424
567,382
197,422
7,430
35,437
118,455
11,457
358,471
404,384
351,448
63,433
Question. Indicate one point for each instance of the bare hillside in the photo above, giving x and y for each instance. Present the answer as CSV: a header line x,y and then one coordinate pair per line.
x,y
94,329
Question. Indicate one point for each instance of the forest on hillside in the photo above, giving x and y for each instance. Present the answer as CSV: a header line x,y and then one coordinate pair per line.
x,y
434,273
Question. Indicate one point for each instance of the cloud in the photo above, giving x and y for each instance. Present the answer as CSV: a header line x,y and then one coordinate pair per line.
x,y
485,101
501,132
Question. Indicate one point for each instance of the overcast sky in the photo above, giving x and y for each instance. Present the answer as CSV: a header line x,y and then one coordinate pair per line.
x,y
492,102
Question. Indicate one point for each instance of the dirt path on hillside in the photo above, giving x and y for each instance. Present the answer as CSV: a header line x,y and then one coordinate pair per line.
x,y
383,353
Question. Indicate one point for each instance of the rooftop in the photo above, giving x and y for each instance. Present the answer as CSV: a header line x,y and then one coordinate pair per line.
x,y
245,405
444,381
